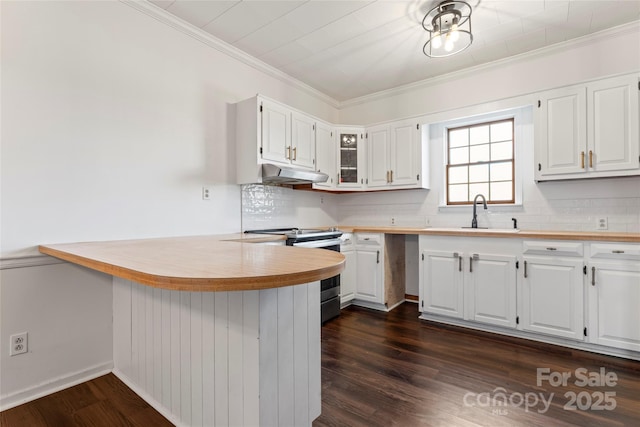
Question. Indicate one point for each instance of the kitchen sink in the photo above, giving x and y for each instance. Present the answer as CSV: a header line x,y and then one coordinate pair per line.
x,y
476,230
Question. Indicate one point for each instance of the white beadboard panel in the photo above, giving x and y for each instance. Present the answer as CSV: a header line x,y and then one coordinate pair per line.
x,y
208,357
268,356
185,358
196,359
251,357
221,374
157,343
165,321
300,357
234,345
148,339
122,323
286,378
174,364
242,358
314,325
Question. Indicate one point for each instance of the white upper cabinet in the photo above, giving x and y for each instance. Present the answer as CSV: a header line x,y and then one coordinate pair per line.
x,y
303,140
588,131
612,117
405,153
270,132
394,155
378,156
275,131
351,158
326,155
561,132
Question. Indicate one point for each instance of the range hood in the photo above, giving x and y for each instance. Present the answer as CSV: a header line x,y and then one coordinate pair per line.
x,y
285,175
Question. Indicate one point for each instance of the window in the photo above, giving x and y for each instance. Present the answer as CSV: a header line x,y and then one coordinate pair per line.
x,y
480,160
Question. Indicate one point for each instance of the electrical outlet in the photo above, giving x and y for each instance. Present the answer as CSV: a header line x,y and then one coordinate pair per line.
x,y
602,223
207,192
393,221
19,344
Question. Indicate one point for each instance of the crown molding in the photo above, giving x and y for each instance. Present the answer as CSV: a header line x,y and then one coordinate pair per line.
x,y
629,28
202,36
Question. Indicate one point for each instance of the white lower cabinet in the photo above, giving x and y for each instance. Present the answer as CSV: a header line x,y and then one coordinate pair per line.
x,y
471,279
553,288
552,296
369,268
441,283
348,277
614,295
491,289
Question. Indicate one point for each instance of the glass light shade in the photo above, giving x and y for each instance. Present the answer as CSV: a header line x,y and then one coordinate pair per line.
x,y
436,41
450,20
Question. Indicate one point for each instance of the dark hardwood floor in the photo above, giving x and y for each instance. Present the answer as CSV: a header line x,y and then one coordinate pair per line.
x,y
391,369
103,402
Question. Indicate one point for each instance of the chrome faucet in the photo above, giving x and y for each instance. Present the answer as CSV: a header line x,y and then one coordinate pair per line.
x,y
474,221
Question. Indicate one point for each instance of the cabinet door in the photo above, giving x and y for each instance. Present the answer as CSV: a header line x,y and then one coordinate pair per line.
x,y
351,158
552,296
369,274
614,299
442,277
612,134
275,132
404,153
303,140
491,289
326,155
348,277
561,139
378,155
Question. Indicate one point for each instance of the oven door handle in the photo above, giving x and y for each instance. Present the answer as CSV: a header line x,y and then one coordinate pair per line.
x,y
318,243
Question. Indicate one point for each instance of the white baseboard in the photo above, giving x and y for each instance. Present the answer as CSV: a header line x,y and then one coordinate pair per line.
x,y
164,411
532,336
17,398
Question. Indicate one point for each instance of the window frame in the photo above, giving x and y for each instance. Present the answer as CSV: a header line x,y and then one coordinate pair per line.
x,y
448,130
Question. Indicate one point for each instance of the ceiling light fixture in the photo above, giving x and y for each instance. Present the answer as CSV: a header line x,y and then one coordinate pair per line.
x,y
449,28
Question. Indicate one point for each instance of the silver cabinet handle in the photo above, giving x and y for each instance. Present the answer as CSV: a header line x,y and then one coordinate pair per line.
x,y
459,263
525,269
617,252
593,276
470,264
377,257
552,249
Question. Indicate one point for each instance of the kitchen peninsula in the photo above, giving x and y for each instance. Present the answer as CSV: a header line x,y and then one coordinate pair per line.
x,y
215,330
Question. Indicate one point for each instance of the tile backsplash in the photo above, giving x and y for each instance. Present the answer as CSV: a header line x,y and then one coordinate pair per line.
x,y
266,206
575,206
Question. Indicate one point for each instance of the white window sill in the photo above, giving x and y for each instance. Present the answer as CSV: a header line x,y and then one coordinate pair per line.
x,y
516,207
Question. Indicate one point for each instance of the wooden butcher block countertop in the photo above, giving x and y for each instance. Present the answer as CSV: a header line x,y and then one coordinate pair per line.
x,y
602,236
203,263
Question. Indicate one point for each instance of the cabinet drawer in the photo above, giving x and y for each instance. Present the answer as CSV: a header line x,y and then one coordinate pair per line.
x,y
369,239
347,241
553,248
615,251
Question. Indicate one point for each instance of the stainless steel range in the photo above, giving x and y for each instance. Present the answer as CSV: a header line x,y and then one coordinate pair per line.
x,y
314,238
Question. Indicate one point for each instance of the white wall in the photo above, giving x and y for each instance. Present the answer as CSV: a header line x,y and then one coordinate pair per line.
x,y
614,52
112,121
66,311
570,205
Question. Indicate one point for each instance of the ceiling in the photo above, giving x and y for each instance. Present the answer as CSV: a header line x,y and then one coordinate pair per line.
x,y
348,49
